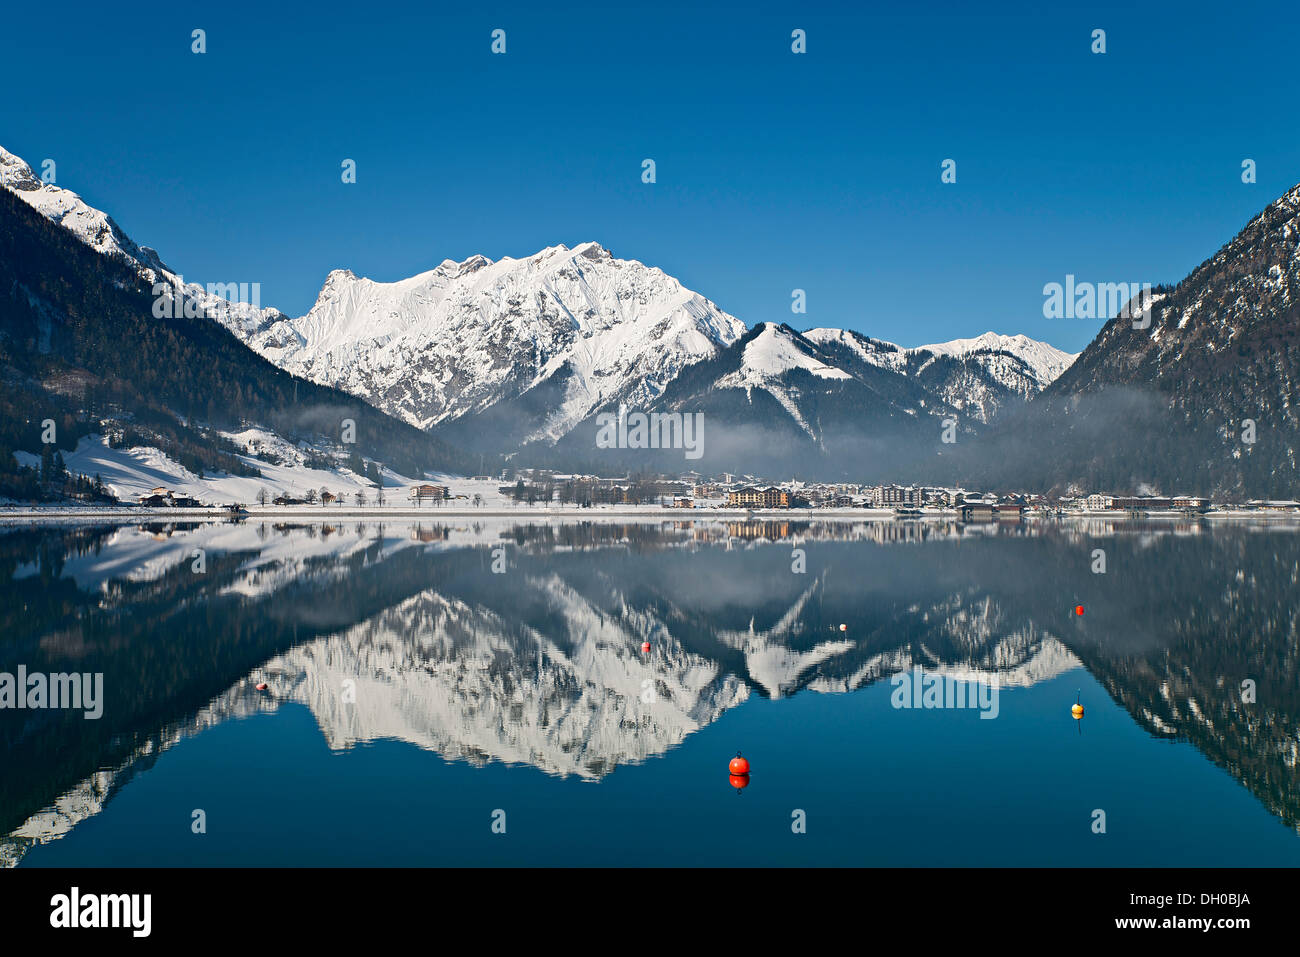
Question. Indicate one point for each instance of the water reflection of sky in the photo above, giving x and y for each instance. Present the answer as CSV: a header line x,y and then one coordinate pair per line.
x,y
412,691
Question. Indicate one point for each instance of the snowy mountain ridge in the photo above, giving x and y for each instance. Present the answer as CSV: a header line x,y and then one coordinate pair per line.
x,y
466,335
99,231
1011,360
496,355
1046,361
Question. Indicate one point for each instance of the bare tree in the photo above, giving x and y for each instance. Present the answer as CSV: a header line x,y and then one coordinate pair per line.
x,y
361,496
263,496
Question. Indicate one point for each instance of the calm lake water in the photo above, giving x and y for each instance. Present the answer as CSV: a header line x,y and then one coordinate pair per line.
x,y
477,694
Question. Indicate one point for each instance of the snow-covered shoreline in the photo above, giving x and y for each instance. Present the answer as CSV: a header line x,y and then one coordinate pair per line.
x,y
325,513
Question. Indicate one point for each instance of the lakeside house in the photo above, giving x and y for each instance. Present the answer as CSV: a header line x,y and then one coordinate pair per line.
x,y
758,498
161,497
978,511
419,494
1158,503
1099,502
897,496
1008,511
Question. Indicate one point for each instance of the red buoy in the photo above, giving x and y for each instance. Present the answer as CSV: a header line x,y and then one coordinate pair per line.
x,y
645,647
261,686
1078,609
738,766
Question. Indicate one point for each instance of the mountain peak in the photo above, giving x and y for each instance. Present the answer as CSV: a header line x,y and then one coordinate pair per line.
x,y
1045,360
15,174
472,264
560,332
772,350
92,226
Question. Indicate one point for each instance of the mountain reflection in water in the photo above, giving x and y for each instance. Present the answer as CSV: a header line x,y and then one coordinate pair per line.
x,y
405,632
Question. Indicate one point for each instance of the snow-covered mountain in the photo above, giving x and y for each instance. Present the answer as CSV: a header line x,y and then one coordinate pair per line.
x,y
977,377
74,289
1045,362
767,360
99,231
550,337
775,401
495,356
833,402
1198,396
93,227
519,351
838,399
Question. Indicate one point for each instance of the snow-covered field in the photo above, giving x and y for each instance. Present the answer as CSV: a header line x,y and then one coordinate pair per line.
x,y
130,473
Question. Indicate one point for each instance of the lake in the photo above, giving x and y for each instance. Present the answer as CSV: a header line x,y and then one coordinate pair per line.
x,y
461,692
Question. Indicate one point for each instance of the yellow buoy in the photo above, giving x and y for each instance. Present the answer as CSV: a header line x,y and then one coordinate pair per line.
x,y
1077,711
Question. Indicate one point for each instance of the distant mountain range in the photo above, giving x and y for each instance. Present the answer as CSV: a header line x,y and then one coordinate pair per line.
x,y
498,355
836,403
518,353
518,358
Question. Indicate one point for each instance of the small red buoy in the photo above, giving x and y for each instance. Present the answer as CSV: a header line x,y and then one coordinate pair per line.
x,y
738,765
1078,609
645,647
740,781
261,686
844,627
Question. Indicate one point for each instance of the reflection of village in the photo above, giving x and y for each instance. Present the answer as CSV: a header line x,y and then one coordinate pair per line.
x,y
889,533
579,534
739,532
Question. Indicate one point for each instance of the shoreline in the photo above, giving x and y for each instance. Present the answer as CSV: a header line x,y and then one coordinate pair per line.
x,y
326,513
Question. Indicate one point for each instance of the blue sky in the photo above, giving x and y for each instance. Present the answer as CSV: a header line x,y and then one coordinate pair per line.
x,y
775,171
